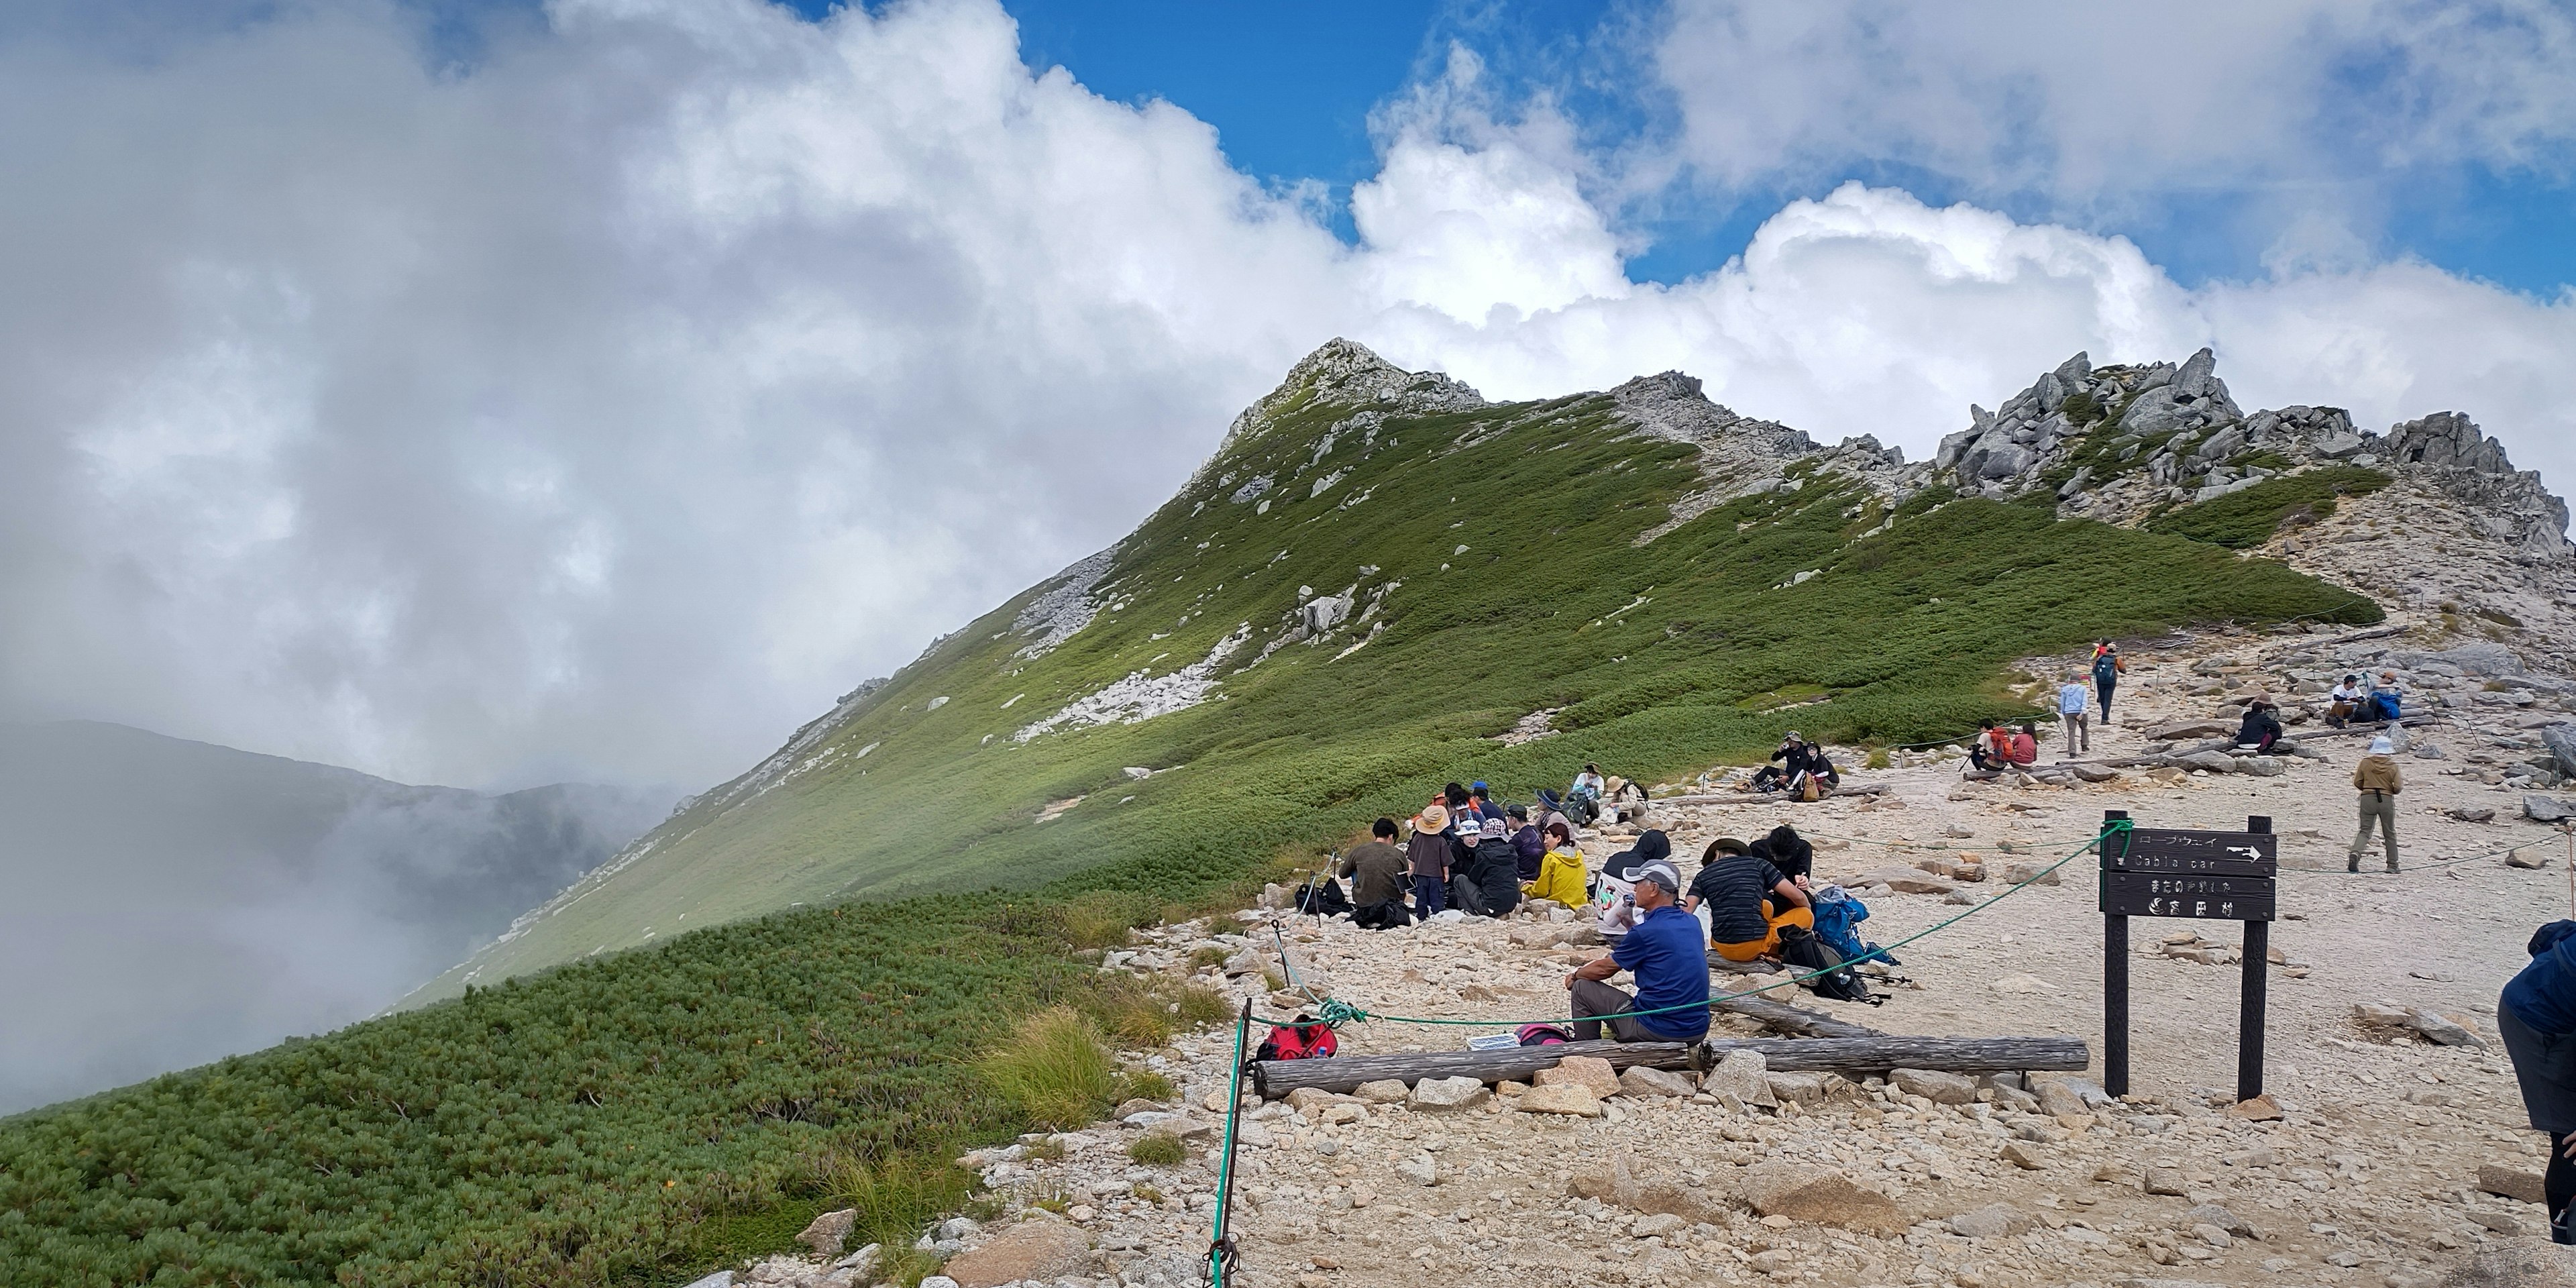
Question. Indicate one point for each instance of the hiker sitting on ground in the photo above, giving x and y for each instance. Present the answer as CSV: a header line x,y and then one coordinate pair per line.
x,y
1491,884
1814,767
1788,852
1669,960
1748,901
1561,872
1376,870
1589,784
1986,751
2024,749
1426,859
2385,703
1619,910
2344,702
1482,797
1528,846
2262,727
2537,1018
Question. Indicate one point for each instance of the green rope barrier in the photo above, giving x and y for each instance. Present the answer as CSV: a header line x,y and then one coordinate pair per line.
x,y
1335,1012
1221,1244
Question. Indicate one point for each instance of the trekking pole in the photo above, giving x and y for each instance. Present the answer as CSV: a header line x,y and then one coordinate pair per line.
x,y
1221,1244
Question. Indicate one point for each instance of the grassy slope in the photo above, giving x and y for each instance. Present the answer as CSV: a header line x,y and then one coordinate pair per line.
x,y
1906,630
596,1123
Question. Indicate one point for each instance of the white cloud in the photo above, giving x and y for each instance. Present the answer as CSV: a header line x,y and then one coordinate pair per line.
x,y
2299,104
610,406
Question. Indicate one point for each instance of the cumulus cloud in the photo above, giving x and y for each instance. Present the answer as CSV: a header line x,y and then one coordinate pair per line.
x,y
611,403
2301,105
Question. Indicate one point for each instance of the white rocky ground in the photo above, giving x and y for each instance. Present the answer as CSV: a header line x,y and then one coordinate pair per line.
x,y
2371,1173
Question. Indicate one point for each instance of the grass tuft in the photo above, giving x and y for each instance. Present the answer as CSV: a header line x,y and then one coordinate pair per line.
x,y
1054,1069
1155,1150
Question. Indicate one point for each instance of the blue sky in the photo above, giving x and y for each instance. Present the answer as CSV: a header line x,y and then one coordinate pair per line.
x,y
1290,89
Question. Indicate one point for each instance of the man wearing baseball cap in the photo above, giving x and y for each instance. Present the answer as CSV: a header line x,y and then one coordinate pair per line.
x,y
1667,953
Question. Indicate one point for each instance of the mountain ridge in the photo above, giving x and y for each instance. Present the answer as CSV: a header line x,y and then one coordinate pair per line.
x,y
1347,435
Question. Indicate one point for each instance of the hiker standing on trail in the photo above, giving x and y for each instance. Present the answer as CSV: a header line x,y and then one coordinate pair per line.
x,y
1669,959
1748,901
2070,717
1426,855
1376,870
1561,873
2537,1018
2107,667
2377,780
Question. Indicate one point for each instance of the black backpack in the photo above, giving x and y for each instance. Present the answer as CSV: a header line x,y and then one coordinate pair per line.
x,y
1323,897
1811,956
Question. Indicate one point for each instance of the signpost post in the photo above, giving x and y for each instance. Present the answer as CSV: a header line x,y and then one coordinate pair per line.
x,y
2164,872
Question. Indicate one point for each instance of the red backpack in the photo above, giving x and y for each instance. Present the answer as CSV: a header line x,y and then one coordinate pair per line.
x,y
1305,1039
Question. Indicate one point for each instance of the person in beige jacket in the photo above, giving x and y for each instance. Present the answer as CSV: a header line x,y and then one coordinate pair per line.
x,y
2377,780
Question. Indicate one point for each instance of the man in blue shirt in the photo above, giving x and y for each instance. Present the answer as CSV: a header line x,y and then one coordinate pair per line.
x,y
2070,716
1666,951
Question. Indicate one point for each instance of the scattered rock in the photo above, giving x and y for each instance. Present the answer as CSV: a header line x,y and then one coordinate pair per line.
x,y
2524,1263
1385,1091
1655,1225
1806,1192
1937,1087
1802,1088
2260,1109
2512,1183
1421,1169
2216,1215
1043,1250
1644,1082
2029,874
2164,1180
1573,1098
2481,814
828,1232
2542,809
1993,1221
1742,1080
1447,1093
2025,1155
1589,1071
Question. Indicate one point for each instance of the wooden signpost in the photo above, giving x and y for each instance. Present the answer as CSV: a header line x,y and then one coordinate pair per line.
x,y
2165,872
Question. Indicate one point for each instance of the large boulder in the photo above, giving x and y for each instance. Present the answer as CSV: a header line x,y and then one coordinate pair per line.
x,y
828,1232
1040,1250
1590,1071
1821,1195
2520,1263
1741,1079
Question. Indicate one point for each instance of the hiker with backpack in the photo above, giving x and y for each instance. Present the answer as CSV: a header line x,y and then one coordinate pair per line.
x,y
1376,870
1987,751
2536,1016
1426,858
1669,959
1562,875
2107,666
1748,900
2378,781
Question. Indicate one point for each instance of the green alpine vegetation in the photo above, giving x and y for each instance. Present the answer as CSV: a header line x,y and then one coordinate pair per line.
x,y
2250,517
1375,578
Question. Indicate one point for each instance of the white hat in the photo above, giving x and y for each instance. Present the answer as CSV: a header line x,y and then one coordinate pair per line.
x,y
2381,746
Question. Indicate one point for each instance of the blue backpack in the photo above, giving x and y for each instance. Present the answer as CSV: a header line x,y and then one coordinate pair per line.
x,y
2383,704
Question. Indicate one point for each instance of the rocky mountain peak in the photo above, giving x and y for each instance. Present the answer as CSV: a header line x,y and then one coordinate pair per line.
x,y
1346,371
2118,443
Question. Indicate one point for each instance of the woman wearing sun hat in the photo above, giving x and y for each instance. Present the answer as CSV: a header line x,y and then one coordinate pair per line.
x,y
2377,780
1426,854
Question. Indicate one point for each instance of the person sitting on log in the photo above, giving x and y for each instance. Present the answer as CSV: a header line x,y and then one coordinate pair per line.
x,y
1986,752
1668,957
1748,901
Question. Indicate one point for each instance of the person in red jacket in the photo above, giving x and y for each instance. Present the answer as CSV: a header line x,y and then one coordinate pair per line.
x,y
2025,747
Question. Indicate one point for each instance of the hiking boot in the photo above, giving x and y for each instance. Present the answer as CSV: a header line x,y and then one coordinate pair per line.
x,y
2353,864
2558,1226
2392,865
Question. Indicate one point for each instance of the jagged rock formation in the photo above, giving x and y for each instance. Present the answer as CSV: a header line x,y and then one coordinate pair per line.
x,y
1741,456
2120,443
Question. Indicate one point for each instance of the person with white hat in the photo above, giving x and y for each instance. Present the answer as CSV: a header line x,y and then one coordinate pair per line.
x,y
2378,781
1666,951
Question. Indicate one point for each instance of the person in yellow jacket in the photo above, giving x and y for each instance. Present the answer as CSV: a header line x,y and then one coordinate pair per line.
x,y
1561,872
2377,780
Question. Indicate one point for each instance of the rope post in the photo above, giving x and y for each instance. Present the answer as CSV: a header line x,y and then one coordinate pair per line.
x,y
2115,978
1221,1244
2254,972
